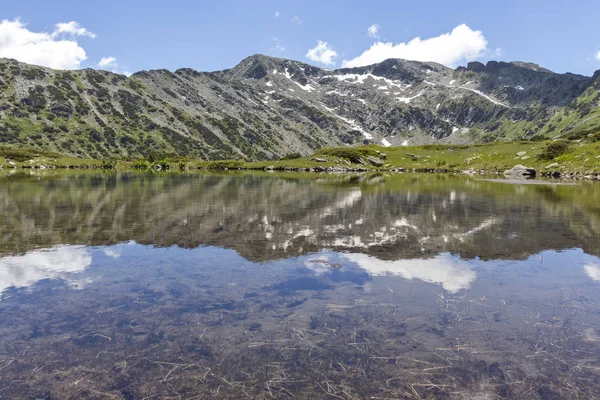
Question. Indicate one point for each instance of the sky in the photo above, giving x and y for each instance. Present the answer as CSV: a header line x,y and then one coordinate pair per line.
x,y
130,35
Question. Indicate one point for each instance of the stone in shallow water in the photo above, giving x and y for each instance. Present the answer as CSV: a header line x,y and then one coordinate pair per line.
x,y
520,171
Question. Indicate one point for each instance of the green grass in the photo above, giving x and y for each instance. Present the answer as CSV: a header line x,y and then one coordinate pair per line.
x,y
493,157
576,156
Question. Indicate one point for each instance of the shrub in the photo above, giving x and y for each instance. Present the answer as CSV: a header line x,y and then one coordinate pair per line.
x,y
22,154
554,149
353,155
140,165
537,138
161,165
108,164
590,134
445,146
291,156
594,137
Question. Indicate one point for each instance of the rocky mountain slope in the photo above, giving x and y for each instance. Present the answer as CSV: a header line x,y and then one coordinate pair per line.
x,y
267,107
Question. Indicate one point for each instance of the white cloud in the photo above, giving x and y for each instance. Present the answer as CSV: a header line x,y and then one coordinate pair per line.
x,y
72,28
108,62
322,53
598,56
278,47
296,20
373,31
277,15
462,43
40,48
111,64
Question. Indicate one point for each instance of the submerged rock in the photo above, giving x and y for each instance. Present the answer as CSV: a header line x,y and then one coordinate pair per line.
x,y
520,171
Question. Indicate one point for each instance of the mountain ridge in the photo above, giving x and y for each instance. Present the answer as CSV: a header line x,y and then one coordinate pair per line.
x,y
267,107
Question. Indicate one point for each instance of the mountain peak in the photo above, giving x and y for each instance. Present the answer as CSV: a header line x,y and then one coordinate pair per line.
x,y
532,66
258,66
496,66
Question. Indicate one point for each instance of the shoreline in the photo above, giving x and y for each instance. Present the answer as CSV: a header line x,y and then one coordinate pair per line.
x,y
575,160
500,176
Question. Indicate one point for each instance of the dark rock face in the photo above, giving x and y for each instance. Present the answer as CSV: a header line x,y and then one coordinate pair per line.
x,y
476,66
267,107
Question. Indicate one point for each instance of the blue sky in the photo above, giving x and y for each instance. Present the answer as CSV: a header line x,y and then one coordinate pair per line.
x,y
132,35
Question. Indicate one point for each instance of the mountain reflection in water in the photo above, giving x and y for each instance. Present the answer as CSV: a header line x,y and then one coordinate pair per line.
x,y
271,217
134,286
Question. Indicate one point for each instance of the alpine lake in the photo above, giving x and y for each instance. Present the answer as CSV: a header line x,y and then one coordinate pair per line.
x,y
297,286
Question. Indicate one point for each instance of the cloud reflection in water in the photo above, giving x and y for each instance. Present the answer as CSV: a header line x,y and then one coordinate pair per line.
x,y
56,262
450,272
593,271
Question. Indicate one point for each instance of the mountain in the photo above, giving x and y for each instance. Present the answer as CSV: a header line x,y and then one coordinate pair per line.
x,y
267,107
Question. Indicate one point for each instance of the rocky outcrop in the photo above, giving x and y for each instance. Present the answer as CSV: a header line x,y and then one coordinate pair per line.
x,y
377,162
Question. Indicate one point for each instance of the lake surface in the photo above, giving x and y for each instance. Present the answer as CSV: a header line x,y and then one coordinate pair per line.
x,y
193,286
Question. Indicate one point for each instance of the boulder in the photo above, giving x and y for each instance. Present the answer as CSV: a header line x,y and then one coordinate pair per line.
x,y
317,159
520,172
554,174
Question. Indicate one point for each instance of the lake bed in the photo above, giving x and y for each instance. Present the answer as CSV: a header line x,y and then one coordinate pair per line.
x,y
242,285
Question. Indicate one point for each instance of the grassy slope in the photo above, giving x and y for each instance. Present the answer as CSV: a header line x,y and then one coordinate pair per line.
x,y
581,116
499,156
581,156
